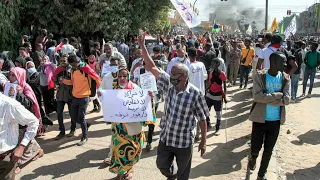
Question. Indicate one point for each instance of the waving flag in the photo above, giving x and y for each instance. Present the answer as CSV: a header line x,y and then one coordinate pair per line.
x,y
187,14
274,25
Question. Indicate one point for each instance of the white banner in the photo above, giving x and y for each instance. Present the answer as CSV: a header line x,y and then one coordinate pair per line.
x,y
148,82
292,28
187,14
125,106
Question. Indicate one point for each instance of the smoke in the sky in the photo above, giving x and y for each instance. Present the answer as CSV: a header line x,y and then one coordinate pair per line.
x,y
237,13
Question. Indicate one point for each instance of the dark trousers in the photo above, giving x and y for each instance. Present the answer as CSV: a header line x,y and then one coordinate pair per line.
x,y
165,156
244,72
48,99
60,108
267,134
78,113
150,132
217,107
7,168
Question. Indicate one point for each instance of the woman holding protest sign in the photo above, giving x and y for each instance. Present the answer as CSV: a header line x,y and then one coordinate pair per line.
x,y
127,138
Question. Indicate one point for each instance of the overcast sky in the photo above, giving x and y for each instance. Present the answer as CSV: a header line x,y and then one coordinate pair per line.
x,y
277,8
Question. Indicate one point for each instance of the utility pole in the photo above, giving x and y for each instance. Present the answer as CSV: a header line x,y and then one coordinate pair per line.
x,y
266,20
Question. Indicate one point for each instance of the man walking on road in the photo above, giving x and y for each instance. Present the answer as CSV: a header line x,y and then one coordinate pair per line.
x,y
184,106
271,93
234,63
312,61
81,76
247,56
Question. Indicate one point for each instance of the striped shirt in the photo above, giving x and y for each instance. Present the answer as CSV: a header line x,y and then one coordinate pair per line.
x,y
12,113
182,110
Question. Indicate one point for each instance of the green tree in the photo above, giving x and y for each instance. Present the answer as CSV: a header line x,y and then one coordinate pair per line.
x,y
103,18
9,26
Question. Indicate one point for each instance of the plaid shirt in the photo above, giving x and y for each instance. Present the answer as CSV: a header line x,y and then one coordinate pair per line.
x,y
182,110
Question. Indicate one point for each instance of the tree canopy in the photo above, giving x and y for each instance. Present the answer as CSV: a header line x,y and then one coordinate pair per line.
x,y
100,18
107,18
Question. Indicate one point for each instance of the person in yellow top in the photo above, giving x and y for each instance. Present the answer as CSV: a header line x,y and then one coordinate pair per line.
x,y
81,78
247,56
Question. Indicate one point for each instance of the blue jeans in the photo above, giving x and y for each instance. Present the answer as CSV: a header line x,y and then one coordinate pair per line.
x,y
78,113
244,71
308,73
60,107
294,85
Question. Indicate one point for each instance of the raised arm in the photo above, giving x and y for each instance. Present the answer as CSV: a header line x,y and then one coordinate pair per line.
x,y
149,64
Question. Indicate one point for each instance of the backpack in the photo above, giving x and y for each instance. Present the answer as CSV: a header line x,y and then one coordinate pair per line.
x,y
286,53
92,84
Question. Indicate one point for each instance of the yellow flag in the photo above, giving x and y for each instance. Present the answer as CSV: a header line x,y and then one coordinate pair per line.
x,y
274,25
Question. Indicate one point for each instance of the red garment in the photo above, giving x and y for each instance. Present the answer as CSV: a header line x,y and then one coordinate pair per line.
x,y
216,87
58,70
86,69
276,46
93,65
200,52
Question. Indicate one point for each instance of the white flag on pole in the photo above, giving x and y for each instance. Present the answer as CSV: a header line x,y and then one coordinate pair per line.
x,y
187,14
292,28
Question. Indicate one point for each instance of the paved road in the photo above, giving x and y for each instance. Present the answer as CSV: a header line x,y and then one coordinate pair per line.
x,y
64,160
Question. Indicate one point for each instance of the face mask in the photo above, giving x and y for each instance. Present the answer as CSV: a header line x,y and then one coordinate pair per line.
x,y
122,87
180,59
1,61
175,82
46,63
32,70
114,69
16,82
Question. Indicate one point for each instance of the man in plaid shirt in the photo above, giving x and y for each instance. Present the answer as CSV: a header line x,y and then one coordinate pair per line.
x,y
184,106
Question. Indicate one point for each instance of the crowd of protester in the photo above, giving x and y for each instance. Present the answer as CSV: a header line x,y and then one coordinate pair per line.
x,y
193,74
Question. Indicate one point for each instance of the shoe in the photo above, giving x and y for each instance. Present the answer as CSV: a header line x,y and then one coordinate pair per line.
x,y
60,136
197,139
83,141
240,86
93,110
293,100
252,164
209,126
234,83
261,178
70,134
88,125
99,109
309,95
148,147
217,131
245,86
303,95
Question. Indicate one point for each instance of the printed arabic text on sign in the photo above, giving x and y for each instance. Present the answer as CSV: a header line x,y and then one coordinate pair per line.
x,y
125,106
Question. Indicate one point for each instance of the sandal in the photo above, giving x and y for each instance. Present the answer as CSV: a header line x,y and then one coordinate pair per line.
x,y
128,175
39,155
107,161
17,170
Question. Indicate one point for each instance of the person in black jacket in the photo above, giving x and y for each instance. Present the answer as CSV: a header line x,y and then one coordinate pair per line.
x,y
7,63
64,96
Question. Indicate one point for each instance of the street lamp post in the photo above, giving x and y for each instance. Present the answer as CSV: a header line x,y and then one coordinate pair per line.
x,y
266,20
